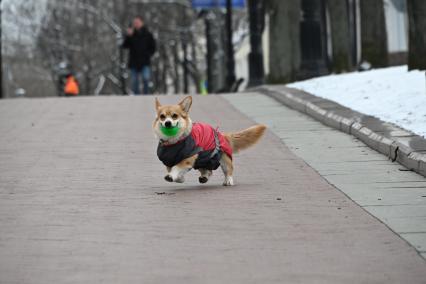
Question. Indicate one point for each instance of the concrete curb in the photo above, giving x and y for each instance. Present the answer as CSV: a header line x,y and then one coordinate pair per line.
x,y
398,144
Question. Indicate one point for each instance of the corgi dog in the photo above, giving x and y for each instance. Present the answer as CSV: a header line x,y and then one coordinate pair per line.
x,y
184,145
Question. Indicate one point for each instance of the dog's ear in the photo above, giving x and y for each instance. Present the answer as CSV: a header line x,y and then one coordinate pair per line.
x,y
157,104
186,103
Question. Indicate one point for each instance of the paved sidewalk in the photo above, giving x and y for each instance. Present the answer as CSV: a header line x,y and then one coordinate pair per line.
x,y
387,190
79,203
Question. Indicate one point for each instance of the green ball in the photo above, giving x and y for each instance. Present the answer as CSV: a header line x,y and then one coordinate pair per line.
x,y
170,131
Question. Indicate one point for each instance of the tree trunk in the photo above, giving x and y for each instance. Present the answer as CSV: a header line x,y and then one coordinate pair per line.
x,y
176,68
417,34
340,35
373,33
1,56
284,48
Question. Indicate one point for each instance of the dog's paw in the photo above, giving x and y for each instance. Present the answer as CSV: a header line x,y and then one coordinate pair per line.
x,y
180,180
203,179
168,178
229,181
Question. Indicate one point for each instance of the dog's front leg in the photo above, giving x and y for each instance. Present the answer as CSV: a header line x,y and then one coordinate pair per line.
x,y
177,173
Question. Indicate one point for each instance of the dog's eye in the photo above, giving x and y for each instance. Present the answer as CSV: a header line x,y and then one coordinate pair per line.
x,y
175,116
162,117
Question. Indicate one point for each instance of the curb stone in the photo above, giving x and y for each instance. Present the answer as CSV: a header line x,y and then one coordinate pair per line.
x,y
398,144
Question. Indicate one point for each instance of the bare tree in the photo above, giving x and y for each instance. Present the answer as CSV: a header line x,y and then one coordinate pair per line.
x,y
373,33
284,49
21,25
417,34
83,34
47,37
340,35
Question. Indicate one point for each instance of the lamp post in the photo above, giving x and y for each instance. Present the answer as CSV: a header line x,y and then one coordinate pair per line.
x,y
185,63
230,78
1,55
256,23
313,39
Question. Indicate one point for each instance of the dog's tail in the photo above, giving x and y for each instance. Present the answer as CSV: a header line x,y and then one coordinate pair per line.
x,y
244,139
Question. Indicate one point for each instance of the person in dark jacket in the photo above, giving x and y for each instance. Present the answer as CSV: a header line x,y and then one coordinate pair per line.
x,y
141,44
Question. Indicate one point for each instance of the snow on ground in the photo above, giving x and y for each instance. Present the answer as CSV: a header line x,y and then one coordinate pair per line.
x,y
391,94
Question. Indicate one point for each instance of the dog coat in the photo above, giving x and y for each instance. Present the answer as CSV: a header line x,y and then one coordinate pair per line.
x,y
205,141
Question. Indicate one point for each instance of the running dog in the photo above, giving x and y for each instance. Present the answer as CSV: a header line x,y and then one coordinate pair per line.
x,y
184,145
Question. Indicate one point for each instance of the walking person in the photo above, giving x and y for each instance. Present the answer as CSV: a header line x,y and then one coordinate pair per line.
x,y
71,87
141,44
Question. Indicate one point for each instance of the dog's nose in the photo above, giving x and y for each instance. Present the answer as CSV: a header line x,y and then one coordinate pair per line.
x,y
168,124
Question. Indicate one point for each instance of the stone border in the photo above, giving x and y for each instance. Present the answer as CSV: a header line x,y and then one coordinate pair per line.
x,y
398,144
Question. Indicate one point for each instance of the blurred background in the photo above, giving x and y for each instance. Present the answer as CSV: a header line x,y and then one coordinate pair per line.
x,y
203,46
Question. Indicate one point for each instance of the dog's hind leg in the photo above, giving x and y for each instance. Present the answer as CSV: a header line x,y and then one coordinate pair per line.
x,y
205,175
168,177
228,169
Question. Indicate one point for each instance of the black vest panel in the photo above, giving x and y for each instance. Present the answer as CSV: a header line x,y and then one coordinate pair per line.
x,y
172,155
206,161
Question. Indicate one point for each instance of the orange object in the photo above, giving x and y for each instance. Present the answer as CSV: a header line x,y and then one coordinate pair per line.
x,y
71,86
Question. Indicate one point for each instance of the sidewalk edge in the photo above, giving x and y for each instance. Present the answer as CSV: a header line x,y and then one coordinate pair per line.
x,y
396,143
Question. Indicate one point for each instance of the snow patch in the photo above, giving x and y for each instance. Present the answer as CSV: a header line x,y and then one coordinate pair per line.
x,y
392,94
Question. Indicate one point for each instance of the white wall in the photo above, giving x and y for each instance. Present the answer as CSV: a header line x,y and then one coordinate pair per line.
x,y
242,53
241,61
396,25
265,45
